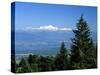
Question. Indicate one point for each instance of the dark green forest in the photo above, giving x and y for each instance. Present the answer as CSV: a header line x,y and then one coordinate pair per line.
x,y
83,54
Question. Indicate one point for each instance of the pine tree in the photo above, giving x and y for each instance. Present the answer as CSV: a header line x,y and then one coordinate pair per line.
x,y
92,56
61,58
23,67
30,59
82,50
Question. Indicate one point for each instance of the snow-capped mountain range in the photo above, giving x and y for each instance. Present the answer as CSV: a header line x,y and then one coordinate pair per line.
x,y
46,28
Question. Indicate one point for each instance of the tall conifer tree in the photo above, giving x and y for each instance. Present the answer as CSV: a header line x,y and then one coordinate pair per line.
x,y
83,49
61,59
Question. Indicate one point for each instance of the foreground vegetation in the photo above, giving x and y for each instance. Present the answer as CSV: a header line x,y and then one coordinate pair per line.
x,y
83,54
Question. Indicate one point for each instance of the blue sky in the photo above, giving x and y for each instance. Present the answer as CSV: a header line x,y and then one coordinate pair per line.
x,y
36,15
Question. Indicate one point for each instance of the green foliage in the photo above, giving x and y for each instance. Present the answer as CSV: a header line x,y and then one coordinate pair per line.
x,y
23,66
32,61
45,63
82,49
61,60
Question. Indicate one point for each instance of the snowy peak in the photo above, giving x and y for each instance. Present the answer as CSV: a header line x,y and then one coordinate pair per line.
x,y
45,28
51,28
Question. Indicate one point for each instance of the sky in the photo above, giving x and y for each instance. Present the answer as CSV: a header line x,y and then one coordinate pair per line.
x,y
37,15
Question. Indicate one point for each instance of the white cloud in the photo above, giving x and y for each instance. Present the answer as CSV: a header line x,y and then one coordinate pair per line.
x,y
51,28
